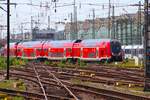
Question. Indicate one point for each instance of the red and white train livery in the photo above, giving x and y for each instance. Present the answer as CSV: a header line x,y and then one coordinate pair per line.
x,y
88,50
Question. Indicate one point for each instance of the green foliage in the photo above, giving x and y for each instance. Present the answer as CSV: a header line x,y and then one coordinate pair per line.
x,y
12,62
50,63
12,84
2,63
69,60
127,63
15,61
81,63
18,98
46,63
63,61
62,64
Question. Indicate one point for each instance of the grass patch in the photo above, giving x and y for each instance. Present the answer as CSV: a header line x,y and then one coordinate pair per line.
x,y
12,84
128,63
2,63
13,62
75,81
66,64
82,64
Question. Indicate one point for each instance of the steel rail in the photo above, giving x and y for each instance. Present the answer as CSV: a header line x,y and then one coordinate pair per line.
x,y
103,92
38,77
50,73
84,78
30,95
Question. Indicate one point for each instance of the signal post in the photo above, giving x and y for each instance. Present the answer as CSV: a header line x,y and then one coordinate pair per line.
x,y
147,45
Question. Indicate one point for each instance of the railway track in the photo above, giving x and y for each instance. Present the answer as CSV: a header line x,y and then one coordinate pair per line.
x,y
107,77
59,81
53,77
40,83
97,79
30,95
98,92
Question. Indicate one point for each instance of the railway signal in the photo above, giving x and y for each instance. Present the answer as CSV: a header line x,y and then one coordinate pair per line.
x,y
147,45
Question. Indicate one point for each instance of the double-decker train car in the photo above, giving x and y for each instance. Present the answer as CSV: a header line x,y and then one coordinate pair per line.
x,y
12,51
101,49
87,50
55,50
32,50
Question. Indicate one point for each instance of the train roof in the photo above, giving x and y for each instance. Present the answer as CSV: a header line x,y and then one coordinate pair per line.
x,y
31,43
60,43
94,42
11,45
132,46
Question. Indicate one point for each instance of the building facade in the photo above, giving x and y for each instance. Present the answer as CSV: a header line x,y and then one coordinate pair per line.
x,y
128,29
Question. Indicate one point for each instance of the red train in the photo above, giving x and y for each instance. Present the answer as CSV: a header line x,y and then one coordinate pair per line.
x,y
88,50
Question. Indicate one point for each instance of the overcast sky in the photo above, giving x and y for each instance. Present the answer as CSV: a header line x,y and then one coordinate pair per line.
x,y
23,11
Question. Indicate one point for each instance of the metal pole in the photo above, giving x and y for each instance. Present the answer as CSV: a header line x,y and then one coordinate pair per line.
x,y
74,21
121,29
93,29
138,26
8,36
126,31
71,29
22,31
31,27
140,16
48,22
116,35
113,23
131,33
109,34
147,46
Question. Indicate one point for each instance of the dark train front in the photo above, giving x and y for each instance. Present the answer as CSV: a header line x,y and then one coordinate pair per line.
x,y
117,53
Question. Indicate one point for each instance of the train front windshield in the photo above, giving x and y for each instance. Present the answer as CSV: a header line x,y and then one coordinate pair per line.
x,y
115,47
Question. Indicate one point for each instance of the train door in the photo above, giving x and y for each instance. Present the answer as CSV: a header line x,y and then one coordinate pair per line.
x,y
29,53
19,52
102,53
76,49
38,52
57,53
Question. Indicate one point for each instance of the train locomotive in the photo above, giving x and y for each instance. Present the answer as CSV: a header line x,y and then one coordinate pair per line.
x,y
87,50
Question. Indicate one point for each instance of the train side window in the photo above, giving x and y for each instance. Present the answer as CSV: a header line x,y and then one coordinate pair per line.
x,y
45,50
127,51
142,51
134,51
69,50
19,50
39,50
